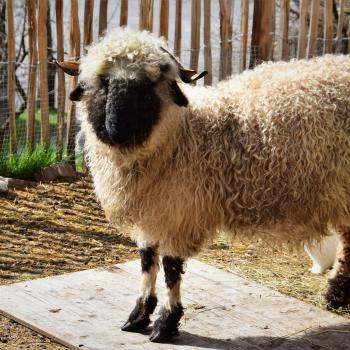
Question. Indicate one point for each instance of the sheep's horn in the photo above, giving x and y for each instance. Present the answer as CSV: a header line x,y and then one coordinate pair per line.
x,y
186,75
69,67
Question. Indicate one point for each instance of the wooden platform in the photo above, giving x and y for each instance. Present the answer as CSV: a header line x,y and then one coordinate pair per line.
x,y
85,310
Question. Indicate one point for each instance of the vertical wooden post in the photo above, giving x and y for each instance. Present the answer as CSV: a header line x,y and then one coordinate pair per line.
x,y
303,9
311,45
11,84
263,22
88,17
225,38
123,20
42,51
328,26
102,20
61,86
74,53
146,15
208,79
31,88
178,28
340,25
195,33
244,33
285,8
164,18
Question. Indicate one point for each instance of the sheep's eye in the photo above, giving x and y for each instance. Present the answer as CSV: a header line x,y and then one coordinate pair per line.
x,y
104,81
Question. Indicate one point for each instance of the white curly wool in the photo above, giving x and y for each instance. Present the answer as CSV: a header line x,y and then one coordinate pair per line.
x,y
265,154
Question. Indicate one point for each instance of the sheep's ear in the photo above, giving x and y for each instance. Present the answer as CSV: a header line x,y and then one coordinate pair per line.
x,y
177,95
69,67
190,75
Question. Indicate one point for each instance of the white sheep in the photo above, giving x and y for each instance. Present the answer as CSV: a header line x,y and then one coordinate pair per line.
x,y
265,154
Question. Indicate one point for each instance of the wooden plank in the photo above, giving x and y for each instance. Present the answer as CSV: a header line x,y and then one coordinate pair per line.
x,y
302,40
285,9
85,310
42,54
195,33
208,79
74,53
263,22
31,88
102,19
328,27
178,28
146,15
164,19
88,18
312,41
340,25
123,19
61,85
244,33
11,83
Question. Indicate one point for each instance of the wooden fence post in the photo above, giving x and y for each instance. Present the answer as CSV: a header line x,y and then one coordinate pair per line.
x,y
123,19
328,26
285,8
74,53
164,18
88,17
303,9
340,25
31,87
208,79
178,28
146,15
225,38
42,51
311,45
263,22
195,33
11,84
102,20
244,33
61,86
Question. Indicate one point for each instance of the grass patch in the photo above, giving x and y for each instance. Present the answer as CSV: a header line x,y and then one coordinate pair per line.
x,y
25,165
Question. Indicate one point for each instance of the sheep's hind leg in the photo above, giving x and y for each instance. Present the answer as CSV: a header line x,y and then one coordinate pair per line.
x,y
166,326
139,318
338,293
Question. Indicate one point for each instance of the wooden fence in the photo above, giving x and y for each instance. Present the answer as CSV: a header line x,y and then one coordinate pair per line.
x,y
264,34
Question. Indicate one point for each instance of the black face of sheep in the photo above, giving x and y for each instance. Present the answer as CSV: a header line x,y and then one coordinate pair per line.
x,y
124,112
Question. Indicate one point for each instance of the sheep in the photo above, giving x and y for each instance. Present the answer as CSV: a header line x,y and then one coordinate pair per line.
x,y
265,154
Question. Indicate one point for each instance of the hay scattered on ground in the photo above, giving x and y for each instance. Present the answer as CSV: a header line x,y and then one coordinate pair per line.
x,y
60,228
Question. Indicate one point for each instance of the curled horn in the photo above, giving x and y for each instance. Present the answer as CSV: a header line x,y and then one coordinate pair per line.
x,y
186,75
69,67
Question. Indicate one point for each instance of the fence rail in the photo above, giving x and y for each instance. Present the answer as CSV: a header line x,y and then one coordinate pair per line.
x,y
263,30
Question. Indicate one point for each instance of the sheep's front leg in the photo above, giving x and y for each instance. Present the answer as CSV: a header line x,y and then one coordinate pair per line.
x,y
147,302
166,326
338,293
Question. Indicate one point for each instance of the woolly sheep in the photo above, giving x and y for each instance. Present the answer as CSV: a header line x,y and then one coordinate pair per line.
x,y
265,154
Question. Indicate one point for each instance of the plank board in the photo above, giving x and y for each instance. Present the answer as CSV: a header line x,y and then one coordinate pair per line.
x,y
85,310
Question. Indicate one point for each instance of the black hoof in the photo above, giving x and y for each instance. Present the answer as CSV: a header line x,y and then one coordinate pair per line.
x,y
166,326
338,293
139,317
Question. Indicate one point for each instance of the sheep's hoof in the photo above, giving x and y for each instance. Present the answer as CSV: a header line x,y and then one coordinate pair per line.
x,y
139,317
338,293
166,326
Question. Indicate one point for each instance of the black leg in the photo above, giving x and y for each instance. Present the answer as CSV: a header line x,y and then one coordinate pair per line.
x,y
166,326
139,318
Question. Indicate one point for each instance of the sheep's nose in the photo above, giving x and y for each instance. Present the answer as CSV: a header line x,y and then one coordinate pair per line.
x,y
111,126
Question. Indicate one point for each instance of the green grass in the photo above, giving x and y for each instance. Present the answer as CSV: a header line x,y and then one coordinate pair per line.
x,y
25,165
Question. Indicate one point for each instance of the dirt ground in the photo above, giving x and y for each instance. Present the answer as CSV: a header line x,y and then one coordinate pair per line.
x,y
60,228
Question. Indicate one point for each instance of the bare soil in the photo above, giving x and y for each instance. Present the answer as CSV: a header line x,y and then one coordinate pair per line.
x,y
59,228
